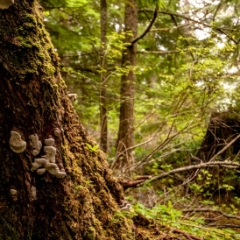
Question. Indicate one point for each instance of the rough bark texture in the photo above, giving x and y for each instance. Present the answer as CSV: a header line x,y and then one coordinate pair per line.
x,y
223,128
33,100
126,125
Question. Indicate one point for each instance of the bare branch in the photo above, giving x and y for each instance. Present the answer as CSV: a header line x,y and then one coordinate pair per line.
x,y
148,28
211,210
225,164
160,52
223,225
186,235
225,147
218,29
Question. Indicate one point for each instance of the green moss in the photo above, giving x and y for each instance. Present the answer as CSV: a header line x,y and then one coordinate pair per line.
x,y
29,26
40,54
91,233
9,231
48,69
24,42
30,19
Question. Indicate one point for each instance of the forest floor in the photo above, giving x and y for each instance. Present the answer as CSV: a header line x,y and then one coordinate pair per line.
x,y
146,229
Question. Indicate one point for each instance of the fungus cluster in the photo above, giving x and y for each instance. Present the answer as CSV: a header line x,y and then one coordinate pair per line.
x,y
48,161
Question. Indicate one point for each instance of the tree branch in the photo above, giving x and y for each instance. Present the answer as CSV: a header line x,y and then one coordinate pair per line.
x,y
133,183
225,164
167,12
148,28
160,52
225,148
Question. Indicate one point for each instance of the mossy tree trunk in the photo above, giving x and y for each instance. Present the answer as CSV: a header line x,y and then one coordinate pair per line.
x,y
34,102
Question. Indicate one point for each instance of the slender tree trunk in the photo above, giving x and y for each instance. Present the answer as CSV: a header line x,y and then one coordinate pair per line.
x,y
103,97
126,119
53,184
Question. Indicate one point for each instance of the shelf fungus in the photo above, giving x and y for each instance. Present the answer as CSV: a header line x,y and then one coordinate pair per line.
x,y
57,132
49,141
33,193
53,169
13,191
72,96
50,152
39,162
47,162
16,143
13,194
35,144
41,171
4,4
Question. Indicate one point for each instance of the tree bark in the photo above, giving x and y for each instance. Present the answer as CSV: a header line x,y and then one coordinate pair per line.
x,y
78,197
103,92
126,119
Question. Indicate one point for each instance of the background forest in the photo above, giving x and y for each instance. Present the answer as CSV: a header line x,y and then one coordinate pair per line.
x,y
156,85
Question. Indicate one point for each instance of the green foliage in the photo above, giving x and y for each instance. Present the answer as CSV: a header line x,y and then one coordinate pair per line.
x,y
168,215
187,68
92,148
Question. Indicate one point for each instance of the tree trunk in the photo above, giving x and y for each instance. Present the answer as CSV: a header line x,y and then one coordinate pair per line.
x,y
222,137
126,120
54,184
103,96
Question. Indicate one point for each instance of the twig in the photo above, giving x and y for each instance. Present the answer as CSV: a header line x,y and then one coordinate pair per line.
x,y
227,146
212,210
134,183
186,235
160,52
224,225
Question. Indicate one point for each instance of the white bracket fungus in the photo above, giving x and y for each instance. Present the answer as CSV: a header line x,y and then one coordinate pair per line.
x,y
41,171
35,144
72,96
33,193
49,141
38,162
16,143
4,4
47,162
13,191
50,152
53,169
13,194
57,132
